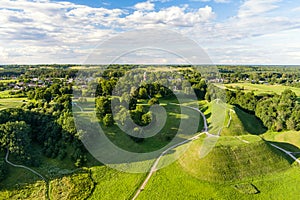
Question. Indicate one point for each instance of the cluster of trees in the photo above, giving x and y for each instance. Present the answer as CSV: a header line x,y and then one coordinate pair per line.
x,y
280,112
277,112
142,85
45,120
261,74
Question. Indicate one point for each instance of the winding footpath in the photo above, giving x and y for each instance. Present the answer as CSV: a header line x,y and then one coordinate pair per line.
x,y
22,166
154,166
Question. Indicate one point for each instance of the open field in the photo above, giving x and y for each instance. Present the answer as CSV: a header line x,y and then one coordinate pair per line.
x,y
11,102
8,80
263,88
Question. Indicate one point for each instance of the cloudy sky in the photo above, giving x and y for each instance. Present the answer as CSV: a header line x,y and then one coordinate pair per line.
x,y
230,31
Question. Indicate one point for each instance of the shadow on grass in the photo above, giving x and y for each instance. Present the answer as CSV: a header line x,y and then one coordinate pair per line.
x,y
287,147
251,123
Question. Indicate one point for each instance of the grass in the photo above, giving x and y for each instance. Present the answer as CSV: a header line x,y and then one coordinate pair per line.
x,y
113,184
291,137
174,183
178,124
8,80
35,190
238,167
267,176
77,186
11,103
263,88
242,123
234,158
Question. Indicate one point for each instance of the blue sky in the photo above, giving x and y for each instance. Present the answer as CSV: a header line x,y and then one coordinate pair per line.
x,y
230,31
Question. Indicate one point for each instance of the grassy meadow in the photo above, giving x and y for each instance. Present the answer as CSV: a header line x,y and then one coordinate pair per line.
x,y
263,88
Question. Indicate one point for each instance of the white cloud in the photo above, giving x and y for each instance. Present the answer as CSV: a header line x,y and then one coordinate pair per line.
x,y
216,1
256,7
172,16
144,6
63,32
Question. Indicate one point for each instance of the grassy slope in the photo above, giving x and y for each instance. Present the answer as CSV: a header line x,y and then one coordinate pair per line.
x,y
174,183
288,139
234,158
112,184
278,181
242,123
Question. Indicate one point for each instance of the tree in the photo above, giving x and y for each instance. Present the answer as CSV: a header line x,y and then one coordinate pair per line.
x,y
3,170
153,101
143,93
108,120
103,107
14,136
146,118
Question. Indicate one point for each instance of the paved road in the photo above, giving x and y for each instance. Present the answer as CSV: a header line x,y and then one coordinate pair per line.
x,y
154,166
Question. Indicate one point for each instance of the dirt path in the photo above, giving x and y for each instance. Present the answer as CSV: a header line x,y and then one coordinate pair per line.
x,y
154,166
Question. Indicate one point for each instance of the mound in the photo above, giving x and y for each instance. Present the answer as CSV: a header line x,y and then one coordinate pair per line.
x,y
234,158
239,122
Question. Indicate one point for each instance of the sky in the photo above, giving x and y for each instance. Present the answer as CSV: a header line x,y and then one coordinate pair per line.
x,y
245,32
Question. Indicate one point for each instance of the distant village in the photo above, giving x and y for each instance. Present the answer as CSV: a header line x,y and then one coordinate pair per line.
x,y
17,83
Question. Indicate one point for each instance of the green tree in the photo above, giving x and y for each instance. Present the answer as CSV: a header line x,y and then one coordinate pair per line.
x,y
153,101
108,120
143,93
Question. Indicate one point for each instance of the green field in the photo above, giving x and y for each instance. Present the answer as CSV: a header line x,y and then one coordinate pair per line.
x,y
174,183
8,80
263,88
11,102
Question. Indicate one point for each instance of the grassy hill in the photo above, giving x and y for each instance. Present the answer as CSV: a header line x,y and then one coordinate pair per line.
x,y
241,123
234,158
236,122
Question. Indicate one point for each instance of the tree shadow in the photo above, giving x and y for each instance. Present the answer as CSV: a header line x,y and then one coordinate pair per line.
x,y
251,123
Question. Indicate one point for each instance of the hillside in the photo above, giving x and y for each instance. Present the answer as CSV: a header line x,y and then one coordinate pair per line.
x,y
241,123
236,122
234,158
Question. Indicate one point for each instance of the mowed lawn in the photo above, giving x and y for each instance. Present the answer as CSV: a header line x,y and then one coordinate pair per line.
x,y
11,103
263,88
